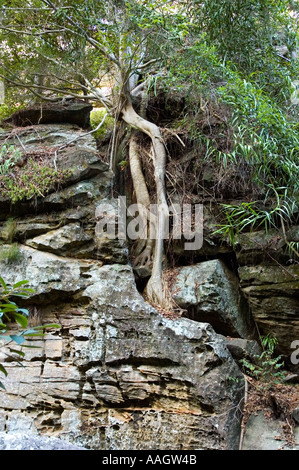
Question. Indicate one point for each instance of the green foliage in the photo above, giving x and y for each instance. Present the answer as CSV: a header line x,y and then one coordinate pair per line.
x,y
33,180
7,110
269,342
262,142
96,117
293,249
9,155
263,135
9,313
268,130
270,146
247,32
250,215
29,58
266,368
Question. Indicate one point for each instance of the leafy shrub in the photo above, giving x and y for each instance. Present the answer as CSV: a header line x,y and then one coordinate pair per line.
x,y
34,179
9,312
9,155
7,110
259,140
266,368
250,215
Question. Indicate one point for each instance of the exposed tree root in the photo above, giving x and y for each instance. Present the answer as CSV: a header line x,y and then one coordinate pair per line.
x,y
154,287
144,249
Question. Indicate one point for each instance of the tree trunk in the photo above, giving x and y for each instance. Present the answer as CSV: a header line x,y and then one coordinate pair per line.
x,y
154,287
143,252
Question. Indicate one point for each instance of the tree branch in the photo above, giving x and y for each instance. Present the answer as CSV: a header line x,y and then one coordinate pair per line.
x,y
29,33
89,39
41,87
143,66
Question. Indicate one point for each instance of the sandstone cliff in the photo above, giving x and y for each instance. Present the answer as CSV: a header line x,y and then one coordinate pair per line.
x,y
120,373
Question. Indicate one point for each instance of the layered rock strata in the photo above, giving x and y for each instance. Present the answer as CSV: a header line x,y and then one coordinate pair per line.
x,y
118,373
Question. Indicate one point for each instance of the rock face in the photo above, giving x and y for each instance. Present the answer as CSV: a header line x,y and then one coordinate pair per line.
x,y
119,374
61,112
18,441
118,368
269,278
89,180
273,295
265,434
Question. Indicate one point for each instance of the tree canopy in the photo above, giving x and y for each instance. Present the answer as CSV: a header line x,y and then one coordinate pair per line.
x,y
79,46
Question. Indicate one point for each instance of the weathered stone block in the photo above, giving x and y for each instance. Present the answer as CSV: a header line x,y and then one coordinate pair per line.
x,y
273,292
67,240
210,293
44,113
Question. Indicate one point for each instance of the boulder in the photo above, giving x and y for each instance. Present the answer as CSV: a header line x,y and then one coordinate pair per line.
x,y
89,177
73,240
48,113
210,292
243,348
69,240
263,433
49,275
76,149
